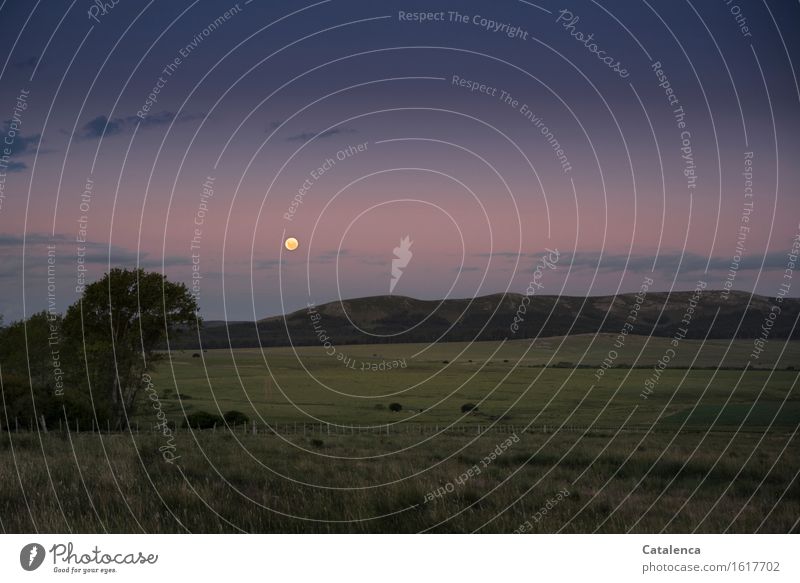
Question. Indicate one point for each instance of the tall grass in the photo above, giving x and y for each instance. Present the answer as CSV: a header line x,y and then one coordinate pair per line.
x,y
264,483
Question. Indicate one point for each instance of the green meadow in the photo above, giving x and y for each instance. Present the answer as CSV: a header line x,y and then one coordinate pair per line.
x,y
548,449
549,382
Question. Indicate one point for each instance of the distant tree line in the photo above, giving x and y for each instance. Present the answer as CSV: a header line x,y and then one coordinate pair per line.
x,y
85,367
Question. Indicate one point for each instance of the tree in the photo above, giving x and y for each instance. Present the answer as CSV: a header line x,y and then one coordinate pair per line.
x,y
36,379
395,407
26,350
116,327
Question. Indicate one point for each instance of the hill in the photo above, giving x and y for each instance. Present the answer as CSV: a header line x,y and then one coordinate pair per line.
x,y
398,319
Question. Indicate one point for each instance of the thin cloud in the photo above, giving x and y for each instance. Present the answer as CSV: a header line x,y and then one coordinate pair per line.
x,y
26,65
308,135
330,256
96,253
17,167
102,126
20,144
664,262
268,264
32,239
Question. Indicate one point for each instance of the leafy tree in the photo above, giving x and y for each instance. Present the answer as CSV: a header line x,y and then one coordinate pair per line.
x,y
116,328
395,407
25,349
36,378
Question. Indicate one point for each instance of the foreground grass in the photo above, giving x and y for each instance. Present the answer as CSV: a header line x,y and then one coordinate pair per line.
x,y
377,483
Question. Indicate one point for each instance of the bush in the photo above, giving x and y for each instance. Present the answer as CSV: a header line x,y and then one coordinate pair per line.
x,y
395,407
469,407
196,355
235,418
317,442
202,420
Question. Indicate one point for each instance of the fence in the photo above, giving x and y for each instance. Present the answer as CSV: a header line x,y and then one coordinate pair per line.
x,y
331,429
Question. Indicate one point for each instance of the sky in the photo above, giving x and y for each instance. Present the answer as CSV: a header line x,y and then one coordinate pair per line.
x,y
647,139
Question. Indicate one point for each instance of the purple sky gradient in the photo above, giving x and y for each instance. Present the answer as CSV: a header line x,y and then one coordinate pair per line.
x,y
478,169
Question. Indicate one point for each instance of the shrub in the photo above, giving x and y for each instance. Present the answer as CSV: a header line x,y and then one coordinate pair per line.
x,y
395,407
202,420
317,442
468,407
235,418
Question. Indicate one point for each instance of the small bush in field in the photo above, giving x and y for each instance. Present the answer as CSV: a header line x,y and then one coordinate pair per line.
x,y
235,418
202,420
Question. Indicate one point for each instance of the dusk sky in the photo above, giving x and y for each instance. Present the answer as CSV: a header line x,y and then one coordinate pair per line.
x,y
486,133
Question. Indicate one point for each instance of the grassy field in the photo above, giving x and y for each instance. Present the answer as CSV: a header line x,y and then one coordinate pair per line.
x,y
509,382
227,483
550,448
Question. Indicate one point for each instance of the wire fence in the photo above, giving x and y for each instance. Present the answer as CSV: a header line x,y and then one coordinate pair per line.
x,y
333,429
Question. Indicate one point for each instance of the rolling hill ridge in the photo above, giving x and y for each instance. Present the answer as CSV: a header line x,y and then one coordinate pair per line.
x,y
390,319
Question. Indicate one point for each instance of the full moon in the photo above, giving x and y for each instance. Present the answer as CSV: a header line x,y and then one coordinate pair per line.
x,y
291,244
